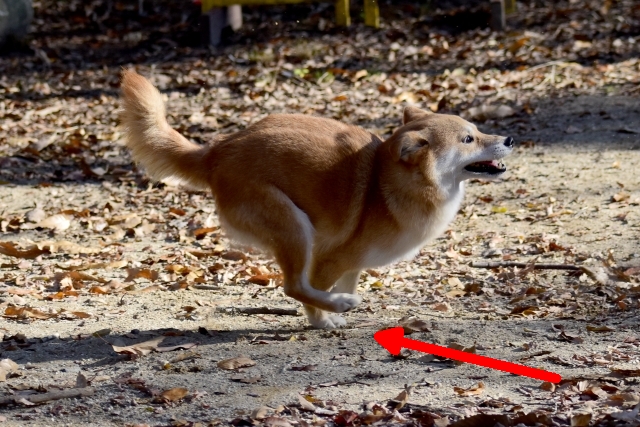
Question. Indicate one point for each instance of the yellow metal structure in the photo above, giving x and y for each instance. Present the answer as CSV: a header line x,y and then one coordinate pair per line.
x,y
509,6
372,15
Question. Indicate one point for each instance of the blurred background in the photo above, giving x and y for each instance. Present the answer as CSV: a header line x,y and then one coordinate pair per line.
x,y
438,54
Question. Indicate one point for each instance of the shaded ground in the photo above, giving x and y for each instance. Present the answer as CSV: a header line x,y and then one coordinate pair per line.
x,y
108,252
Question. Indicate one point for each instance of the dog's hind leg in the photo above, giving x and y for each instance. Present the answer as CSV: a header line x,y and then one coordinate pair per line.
x,y
279,225
321,319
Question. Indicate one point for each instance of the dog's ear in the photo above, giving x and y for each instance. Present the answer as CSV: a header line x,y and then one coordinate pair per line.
x,y
405,147
414,113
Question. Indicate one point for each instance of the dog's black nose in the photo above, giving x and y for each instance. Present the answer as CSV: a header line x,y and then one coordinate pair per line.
x,y
508,142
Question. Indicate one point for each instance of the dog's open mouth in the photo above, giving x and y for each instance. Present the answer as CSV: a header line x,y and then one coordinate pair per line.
x,y
491,167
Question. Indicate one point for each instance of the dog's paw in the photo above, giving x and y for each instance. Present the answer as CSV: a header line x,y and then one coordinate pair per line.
x,y
327,321
344,302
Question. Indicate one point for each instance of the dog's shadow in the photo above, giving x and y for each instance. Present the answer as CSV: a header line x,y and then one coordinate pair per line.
x,y
99,350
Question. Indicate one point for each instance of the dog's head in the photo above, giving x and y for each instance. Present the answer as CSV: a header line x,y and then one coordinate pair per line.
x,y
447,147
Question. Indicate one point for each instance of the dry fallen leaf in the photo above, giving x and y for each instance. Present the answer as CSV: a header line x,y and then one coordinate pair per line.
x,y
173,394
441,306
305,405
234,256
260,413
580,420
140,349
7,366
236,363
81,381
412,324
627,372
471,391
77,275
547,386
9,249
141,273
57,223
26,313
401,399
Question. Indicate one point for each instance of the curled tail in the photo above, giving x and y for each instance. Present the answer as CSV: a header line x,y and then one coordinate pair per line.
x,y
161,150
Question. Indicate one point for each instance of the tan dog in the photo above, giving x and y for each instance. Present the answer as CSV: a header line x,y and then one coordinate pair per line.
x,y
326,198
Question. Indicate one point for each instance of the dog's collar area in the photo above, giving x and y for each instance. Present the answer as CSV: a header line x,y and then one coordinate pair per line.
x,y
491,167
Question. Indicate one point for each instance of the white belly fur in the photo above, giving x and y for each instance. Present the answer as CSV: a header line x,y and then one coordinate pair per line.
x,y
407,244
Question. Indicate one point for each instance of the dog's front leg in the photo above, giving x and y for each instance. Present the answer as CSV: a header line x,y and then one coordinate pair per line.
x,y
323,278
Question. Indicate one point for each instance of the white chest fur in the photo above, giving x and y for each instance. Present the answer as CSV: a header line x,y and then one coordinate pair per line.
x,y
407,244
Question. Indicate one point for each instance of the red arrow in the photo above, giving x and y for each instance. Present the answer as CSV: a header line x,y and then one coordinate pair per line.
x,y
393,340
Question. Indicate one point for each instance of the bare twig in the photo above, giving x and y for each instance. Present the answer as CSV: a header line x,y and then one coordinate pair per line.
x,y
46,397
259,310
524,265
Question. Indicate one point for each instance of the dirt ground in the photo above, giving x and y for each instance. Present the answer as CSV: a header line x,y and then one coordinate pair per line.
x,y
95,259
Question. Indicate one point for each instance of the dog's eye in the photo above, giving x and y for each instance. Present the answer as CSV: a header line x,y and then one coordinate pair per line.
x,y
468,139
423,142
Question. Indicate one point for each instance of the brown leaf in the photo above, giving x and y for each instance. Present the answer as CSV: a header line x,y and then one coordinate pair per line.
x,y
264,279
235,363
141,273
140,349
146,290
471,391
174,394
547,386
624,399
77,275
204,254
412,324
620,197
233,256
200,233
627,372
580,420
441,306
81,314
178,211
27,312
401,399
9,249
346,418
